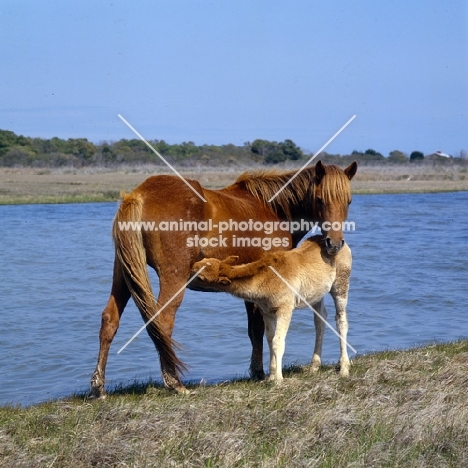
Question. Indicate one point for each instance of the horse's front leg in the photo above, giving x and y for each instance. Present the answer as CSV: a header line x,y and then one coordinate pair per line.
x,y
109,325
320,316
256,329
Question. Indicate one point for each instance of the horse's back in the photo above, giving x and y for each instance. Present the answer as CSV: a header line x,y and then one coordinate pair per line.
x,y
167,192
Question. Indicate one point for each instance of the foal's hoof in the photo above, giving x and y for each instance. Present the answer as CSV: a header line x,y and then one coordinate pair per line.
x,y
273,381
343,369
316,364
182,390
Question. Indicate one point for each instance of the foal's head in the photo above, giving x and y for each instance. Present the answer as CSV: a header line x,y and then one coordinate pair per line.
x,y
214,270
332,196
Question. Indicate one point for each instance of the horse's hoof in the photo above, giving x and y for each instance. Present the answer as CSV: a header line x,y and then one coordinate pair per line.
x,y
257,374
97,396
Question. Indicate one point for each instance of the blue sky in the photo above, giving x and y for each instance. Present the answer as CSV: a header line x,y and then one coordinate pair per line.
x,y
220,72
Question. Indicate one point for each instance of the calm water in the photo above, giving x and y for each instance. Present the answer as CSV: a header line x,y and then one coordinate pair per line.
x,y
409,286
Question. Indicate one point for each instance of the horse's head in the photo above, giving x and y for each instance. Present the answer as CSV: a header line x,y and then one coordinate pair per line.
x,y
332,196
214,270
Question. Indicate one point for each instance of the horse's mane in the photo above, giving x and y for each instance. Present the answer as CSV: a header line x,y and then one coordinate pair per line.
x,y
264,184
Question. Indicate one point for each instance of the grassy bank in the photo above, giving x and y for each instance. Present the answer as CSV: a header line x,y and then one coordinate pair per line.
x,y
100,184
398,409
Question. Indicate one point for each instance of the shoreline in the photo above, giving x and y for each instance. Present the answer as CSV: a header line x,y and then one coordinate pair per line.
x,y
397,408
38,186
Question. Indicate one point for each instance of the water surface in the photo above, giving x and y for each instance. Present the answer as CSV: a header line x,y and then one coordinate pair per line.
x,y
408,287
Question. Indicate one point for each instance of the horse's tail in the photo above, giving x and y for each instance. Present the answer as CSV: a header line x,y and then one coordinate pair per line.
x,y
131,254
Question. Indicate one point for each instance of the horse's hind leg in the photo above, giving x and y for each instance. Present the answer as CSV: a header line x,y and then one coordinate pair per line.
x,y
170,299
256,329
320,315
109,325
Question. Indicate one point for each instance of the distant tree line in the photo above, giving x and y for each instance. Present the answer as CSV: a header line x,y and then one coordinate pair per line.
x,y
20,151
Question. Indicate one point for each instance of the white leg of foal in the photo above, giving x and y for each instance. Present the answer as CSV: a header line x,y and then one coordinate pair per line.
x,y
319,332
276,328
342,328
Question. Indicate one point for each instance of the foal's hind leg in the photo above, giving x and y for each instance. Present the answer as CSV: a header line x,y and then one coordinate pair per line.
x,y
109,325
256,329
320,315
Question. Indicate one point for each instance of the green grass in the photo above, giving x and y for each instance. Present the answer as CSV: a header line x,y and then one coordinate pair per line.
x,y
397,409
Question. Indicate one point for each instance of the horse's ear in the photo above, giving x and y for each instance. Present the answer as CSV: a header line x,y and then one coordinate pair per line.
x,y
224,280
351,170
319,171
231,260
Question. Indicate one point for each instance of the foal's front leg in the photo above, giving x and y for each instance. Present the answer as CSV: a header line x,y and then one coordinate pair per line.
x,y
276,328
341,300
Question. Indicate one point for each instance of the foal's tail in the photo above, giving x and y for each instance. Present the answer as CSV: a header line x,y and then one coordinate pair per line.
x,y
131,255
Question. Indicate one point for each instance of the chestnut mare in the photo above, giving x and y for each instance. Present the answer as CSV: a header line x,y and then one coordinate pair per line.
x,y
318,194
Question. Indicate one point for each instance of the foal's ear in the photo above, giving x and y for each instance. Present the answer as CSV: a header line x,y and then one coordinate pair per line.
x,y
231,260
351,170
319,171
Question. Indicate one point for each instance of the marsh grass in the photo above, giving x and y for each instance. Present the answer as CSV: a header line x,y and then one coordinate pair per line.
x,y
103,184
397,409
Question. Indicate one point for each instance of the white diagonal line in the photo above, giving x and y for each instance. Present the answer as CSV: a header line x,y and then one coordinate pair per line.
x,y
157,154
160,310
312,158
313,310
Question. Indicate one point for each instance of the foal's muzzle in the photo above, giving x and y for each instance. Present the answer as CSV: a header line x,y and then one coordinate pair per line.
x,y
333,247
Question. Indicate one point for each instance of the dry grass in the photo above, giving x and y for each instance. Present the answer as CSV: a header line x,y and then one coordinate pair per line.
x,y
398,409
98,184
67,186
411,178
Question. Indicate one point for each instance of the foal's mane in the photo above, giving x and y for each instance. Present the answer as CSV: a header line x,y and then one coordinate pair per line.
x,y
264,184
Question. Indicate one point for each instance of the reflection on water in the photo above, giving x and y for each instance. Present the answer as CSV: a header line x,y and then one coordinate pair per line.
x,y
408,287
